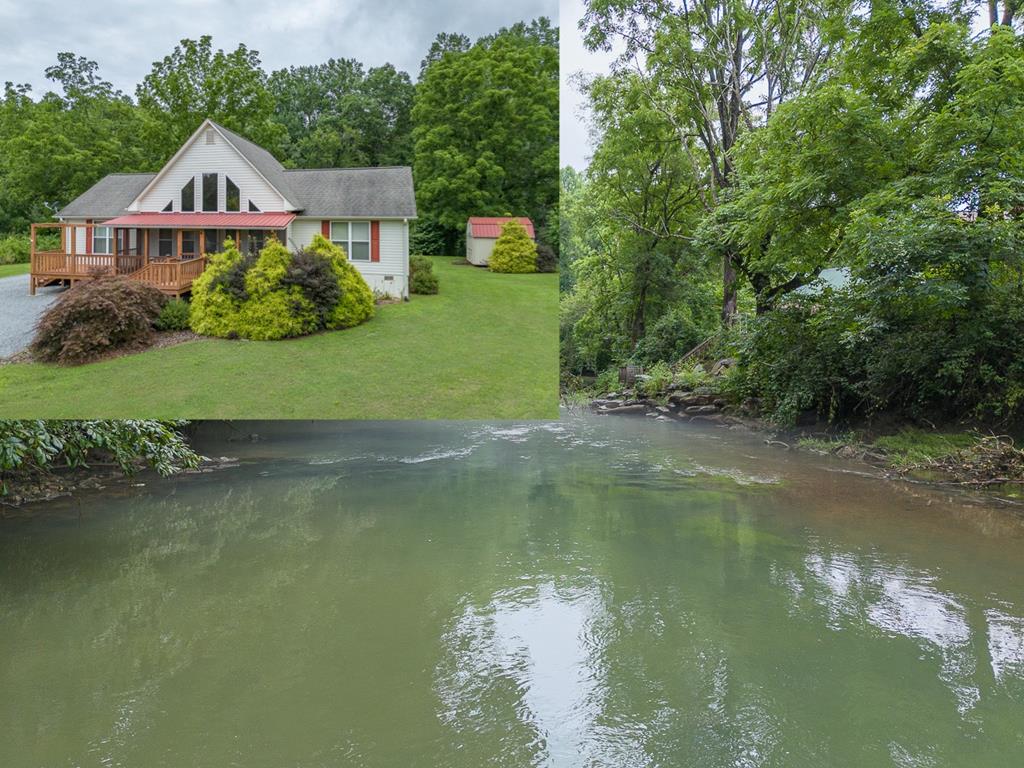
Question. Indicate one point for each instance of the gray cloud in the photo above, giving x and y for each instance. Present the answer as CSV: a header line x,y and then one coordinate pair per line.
x,y
126,37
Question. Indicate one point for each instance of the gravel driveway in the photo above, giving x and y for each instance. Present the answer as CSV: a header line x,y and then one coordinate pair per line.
x,y
19,312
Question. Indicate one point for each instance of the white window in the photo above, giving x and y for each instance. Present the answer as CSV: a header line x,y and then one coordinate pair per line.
x,y
101,240
354,237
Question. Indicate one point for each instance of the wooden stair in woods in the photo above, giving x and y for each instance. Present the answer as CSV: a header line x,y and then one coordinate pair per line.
x,y
698,354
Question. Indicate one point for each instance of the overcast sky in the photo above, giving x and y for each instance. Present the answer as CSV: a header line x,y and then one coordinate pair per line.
x,y
573,132
127,37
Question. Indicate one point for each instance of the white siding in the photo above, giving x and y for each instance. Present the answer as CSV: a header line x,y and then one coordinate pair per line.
x,y
478,250
389,275
199,158
301,232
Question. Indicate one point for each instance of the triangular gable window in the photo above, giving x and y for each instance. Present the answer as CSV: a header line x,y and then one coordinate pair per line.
x,y
169,206
253,208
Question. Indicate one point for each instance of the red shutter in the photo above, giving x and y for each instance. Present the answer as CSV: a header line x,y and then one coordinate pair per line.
x,y
325,228
88,236
374,241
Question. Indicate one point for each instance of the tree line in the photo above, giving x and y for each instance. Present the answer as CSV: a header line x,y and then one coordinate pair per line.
x,y
747,150
477,123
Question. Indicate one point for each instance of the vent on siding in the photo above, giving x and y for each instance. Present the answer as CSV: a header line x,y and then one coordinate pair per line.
x,y
211,136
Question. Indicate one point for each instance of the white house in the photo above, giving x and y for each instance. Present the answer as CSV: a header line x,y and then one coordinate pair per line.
x,y
157,228
483,231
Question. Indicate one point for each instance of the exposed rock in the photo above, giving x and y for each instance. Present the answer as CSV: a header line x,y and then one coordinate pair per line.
x,y
701,409
710,418
722,365
661,409
720,402
683,399
625,409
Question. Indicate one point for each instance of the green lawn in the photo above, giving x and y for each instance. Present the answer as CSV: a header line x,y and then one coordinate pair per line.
x,y
486,347
10,270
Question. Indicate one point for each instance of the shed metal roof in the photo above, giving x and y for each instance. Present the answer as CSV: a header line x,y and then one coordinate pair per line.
x,y
490,226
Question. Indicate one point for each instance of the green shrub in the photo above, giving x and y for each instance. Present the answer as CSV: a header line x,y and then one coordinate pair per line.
x,y
173,316
96,317
15,249
607,381
314,274
547,259
355,304
514,251
659,376
218,293
669,337
422,279
692,377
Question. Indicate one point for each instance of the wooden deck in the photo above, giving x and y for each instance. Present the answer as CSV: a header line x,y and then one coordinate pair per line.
x,y
48,267
172,277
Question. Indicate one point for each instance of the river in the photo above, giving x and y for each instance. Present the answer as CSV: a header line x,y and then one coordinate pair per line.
x,y
600,591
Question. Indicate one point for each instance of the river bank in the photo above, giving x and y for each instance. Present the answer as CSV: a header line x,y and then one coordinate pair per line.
x,y
958,454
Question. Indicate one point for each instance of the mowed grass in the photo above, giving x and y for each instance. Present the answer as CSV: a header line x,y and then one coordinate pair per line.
x,y
486,347
10,270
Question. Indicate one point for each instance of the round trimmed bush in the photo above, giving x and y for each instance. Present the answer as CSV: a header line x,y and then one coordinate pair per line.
x,y
96,317
279,294
514,251
173,317
422,279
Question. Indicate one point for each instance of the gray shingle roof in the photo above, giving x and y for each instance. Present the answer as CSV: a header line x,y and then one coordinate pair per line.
x,y
108,197
341,192
265,163
365,192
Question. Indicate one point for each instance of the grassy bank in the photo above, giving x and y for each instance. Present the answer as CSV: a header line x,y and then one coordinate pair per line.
x,y
485,347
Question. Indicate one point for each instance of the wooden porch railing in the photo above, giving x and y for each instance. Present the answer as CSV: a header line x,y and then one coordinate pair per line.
x,y
174,277
67,264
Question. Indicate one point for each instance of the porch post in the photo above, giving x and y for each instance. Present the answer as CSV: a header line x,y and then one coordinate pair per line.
x,y
202,242
145,247
179,245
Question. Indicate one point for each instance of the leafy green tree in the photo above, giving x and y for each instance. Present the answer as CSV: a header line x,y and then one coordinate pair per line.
x,y
717,69
338,115
53,149
485,124
445,42
195,82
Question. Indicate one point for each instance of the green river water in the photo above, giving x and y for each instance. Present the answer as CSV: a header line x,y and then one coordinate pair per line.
x,y
593,592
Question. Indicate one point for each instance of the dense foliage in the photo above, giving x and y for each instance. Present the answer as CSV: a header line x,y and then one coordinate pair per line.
x,y
278,294
547,259
477,123
96,317
883,152
173,316
514,251
422,278
41,446
483,125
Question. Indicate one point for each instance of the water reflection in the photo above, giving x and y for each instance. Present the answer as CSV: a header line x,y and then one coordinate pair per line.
x,y
586,593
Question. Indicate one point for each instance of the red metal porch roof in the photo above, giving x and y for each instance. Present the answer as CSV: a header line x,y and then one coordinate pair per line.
x,y
490,226
202,220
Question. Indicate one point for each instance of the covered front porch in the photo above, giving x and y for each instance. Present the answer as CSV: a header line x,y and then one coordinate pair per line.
x,y
166,251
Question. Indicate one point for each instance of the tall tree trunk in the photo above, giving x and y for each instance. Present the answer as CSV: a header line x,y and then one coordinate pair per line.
x,y
728,288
